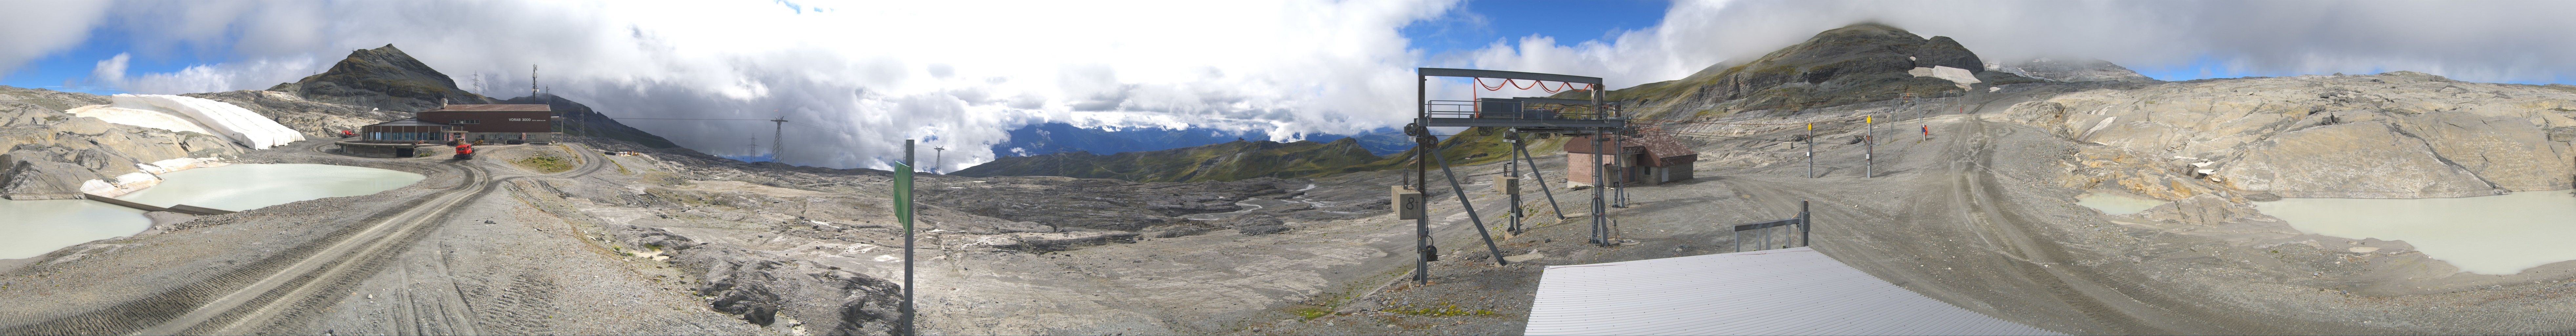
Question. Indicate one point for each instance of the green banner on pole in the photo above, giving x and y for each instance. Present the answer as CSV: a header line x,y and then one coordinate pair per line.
x,y
903,195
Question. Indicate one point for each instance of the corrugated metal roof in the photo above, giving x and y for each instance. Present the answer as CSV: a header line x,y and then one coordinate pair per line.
x,y
409,122
1794,291
1582,144
496,108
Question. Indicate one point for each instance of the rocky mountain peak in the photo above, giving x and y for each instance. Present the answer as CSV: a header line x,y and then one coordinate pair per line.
x,y
385,78
1858,63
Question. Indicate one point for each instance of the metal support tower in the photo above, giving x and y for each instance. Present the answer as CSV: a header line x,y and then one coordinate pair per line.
x,y
941,156
1511,116
778,143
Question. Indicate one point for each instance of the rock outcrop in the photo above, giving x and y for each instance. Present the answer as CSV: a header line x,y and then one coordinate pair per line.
x,y
2393,135
33,179
2359,160
52,154
766,288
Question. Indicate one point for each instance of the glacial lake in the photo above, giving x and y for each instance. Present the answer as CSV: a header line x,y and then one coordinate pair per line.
x,y
2501,234
34,227
2111,204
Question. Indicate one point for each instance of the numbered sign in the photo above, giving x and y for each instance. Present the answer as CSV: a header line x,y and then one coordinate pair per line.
x,y
1408,202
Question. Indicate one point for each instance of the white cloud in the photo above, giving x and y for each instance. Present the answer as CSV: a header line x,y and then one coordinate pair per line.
x,y
33,29
110,71
254,74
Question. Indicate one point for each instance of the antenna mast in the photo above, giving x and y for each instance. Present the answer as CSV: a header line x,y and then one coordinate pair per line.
x,y
532,80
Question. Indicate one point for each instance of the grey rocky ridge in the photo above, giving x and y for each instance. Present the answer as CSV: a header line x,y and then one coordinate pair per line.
x,y
1978,215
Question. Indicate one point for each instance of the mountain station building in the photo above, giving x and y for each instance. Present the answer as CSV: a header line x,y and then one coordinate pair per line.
x,y
528,123
491,123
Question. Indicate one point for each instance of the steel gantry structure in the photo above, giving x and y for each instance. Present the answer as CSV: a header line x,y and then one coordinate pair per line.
x,y
1536,115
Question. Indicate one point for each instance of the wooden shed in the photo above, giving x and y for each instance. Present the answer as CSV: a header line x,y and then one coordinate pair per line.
x,y
1636,160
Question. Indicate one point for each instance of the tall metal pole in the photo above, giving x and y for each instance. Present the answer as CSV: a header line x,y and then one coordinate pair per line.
x,y
1598,204
1422,249
1811,150
1600,224
939,159
908,312
1511,168
1870,154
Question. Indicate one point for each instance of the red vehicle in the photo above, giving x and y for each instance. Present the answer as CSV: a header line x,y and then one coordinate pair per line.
x,y
464,151
348,133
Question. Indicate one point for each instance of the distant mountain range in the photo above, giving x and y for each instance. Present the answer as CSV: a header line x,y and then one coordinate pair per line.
x,y
1052,138
1232,160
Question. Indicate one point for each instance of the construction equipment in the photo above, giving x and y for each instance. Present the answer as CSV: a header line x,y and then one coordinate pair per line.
x,y
464,151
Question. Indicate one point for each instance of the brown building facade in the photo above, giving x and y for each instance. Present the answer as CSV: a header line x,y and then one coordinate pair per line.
x,y
530,122
1647,160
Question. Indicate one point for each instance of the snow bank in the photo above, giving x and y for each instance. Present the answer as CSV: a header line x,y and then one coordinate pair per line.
x,y
241,125
143,118
178,164
1956,75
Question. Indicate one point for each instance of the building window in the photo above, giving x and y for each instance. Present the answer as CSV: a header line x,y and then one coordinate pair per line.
x,y
468,121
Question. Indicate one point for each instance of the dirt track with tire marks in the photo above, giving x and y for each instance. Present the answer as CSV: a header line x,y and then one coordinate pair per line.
x,y
286,289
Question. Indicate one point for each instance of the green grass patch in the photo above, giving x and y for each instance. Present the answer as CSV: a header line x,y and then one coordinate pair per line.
x,y
1310,312
1443,310
544,164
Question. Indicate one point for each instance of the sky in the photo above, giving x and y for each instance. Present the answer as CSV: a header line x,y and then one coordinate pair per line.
x,y
961,74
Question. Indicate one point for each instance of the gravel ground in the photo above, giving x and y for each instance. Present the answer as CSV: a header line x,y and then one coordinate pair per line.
x,y
1978,216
